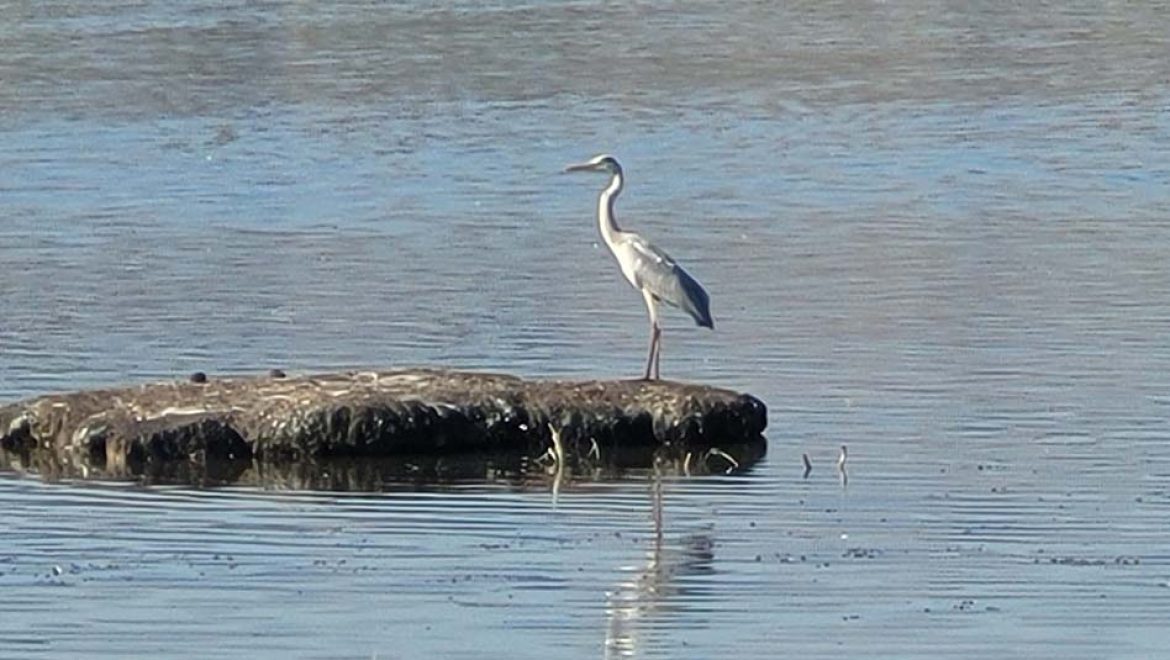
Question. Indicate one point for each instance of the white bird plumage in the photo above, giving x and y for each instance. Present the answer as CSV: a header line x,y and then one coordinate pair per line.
x,y
648,268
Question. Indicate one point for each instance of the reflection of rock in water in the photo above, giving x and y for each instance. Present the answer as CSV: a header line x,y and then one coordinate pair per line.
x,y
652,589
515,470
133,431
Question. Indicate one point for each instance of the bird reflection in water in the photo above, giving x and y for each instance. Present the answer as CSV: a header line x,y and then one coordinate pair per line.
x,y
651,588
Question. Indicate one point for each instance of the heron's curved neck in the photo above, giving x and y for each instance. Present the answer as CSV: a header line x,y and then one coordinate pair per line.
x,y
609,228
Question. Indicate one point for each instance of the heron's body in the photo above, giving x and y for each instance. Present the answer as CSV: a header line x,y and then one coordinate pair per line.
x,y
648,268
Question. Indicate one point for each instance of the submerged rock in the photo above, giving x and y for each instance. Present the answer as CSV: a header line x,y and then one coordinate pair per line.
x,y
279,418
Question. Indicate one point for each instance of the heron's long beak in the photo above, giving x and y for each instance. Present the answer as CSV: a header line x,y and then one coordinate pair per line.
x,y
580,167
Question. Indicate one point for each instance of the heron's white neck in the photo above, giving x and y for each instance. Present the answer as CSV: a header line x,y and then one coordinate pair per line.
x,y
609,228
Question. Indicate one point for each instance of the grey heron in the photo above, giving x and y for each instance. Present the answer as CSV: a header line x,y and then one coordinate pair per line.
x,y
649,269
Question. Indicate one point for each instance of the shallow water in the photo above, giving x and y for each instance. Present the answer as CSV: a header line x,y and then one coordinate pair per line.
x,y
932,233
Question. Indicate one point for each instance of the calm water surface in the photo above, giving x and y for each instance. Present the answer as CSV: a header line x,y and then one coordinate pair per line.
x,y
935,233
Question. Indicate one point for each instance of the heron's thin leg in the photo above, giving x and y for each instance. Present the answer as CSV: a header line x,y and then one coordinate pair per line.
x,y
657,350
652,310
653,347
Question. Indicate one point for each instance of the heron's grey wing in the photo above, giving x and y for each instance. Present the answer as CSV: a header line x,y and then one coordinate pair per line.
x,y
656,272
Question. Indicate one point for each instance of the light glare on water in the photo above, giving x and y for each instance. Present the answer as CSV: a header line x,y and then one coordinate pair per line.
x,y
933,233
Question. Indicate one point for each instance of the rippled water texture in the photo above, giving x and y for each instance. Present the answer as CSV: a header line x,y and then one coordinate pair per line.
x,y
933,232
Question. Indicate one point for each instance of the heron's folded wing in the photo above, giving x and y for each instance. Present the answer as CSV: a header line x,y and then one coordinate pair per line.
x,y
657,273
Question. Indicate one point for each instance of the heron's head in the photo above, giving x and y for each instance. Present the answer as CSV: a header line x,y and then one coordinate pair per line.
x,y
599,163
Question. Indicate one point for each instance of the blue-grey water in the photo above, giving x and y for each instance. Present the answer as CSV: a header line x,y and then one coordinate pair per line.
x,y
935,233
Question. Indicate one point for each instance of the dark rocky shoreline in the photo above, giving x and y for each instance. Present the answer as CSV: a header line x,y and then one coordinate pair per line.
x,y
366,414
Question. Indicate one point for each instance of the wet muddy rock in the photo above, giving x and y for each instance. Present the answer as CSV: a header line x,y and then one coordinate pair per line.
x,y
366,414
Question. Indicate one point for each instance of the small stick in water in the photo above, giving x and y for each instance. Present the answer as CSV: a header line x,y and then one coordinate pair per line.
x,y
841,465
715,451
594,449
807,464
558,446
558,450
